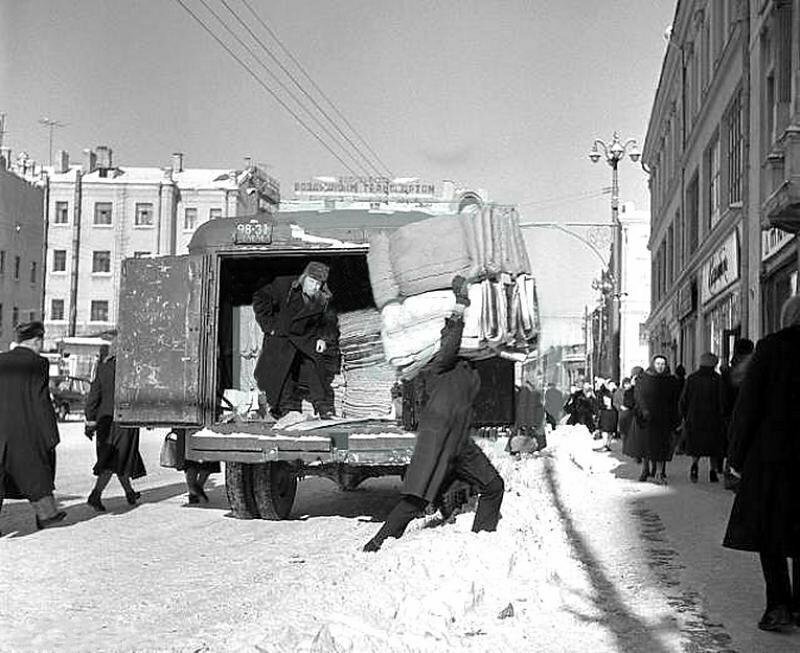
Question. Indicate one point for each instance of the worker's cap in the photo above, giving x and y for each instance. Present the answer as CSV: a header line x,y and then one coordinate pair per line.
x,y
317,270
708,360
29,331
637,370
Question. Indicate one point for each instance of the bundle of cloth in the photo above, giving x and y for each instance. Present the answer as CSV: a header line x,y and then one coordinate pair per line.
x,y
367,377
425,256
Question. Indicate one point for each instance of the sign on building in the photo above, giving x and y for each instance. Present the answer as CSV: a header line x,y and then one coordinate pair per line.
x,y
722,267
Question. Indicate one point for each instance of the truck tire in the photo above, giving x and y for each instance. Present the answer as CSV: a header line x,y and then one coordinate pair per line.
x,y
239,488
349,481
274,489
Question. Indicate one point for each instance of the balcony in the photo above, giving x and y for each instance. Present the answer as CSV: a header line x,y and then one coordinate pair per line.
x,y
781,208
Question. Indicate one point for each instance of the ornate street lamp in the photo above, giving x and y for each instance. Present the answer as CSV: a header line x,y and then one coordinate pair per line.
x,y
613,153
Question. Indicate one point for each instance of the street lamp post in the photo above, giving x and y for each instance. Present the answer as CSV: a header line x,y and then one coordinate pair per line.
x,y
613,153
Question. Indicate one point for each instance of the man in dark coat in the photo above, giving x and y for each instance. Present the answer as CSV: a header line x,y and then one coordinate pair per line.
x,y
444,449
581,407
700,406
117,448
553,404
529,421
28,427
656,416
631,441
732,376
765,451
299,327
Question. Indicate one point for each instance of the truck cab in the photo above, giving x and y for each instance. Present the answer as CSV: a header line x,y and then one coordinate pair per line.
x,y
186,340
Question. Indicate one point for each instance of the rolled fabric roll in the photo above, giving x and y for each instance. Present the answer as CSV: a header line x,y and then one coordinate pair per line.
x,y
381,275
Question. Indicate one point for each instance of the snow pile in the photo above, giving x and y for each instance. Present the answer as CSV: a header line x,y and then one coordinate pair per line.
x,y
440,587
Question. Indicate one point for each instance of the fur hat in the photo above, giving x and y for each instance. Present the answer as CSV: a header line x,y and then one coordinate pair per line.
x,y
636,371
708,360
29,331
743,346
317,270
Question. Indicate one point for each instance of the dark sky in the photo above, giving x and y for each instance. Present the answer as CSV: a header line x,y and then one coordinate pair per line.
x,y
502,95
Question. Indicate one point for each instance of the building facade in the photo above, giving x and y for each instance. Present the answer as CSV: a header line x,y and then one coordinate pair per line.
x,y
695,151
723,150
634,288
21,250
100,213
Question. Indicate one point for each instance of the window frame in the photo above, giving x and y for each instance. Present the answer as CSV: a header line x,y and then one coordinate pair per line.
x,y
96,259
139,210
57,211
95,304
55,269
63,313
97,212
186,211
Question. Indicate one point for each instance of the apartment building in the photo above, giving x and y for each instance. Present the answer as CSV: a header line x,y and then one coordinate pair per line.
x,y
101,213
695,151
21,249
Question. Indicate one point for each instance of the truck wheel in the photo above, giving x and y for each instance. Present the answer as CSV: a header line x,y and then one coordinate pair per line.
x,y
239,487
274,488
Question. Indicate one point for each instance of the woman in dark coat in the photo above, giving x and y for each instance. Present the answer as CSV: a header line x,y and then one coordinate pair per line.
x,y
299,327
607,415
581,407
656,416
731,381
444,449
631,442
765,450
700,407
117,447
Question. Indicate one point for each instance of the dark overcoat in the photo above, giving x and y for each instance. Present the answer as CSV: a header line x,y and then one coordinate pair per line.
x,y
444,424
700,407
631,435
765,449
28,427
117,448
656,414
607,414
581,409
290,324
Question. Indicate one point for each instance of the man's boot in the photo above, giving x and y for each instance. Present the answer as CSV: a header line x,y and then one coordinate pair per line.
x,y
47,513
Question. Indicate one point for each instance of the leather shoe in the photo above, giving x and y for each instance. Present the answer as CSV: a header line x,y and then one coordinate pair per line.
x,y
133,497
50,521
372,546
776,619
94,502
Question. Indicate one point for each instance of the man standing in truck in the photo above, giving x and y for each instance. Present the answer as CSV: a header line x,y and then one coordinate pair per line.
x,y
299,327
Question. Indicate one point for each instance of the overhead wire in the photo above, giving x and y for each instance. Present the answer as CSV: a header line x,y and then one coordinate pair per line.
x,y
282,85
363,157
269,90
306,74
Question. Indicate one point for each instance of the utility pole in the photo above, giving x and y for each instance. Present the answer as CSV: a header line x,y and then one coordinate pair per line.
x,y
51,125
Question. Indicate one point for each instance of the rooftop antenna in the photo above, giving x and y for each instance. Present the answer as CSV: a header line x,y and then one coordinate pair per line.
x,y
51,125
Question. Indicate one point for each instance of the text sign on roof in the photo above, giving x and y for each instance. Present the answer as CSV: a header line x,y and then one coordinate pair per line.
x,y
253,233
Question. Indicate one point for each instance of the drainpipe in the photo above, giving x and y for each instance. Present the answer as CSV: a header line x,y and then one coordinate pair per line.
x,y
76,247
46,209
748,219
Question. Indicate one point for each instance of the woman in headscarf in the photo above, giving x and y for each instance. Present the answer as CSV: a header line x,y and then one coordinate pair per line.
x,y
656,414
765,451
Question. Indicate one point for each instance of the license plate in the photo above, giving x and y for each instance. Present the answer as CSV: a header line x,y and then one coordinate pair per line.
x,y
253,233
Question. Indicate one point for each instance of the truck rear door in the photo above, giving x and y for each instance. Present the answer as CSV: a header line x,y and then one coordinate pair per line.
x,y
164,322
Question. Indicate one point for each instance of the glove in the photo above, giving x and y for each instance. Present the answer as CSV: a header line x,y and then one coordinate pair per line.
x,y
461,290
89,429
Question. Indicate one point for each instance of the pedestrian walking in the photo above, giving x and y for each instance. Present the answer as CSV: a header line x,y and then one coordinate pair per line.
x,y
553,404
28,427
607,414
529,420
656,411
445,448
631,442
581,407
700,407
618,401
765,451
731,380
117,448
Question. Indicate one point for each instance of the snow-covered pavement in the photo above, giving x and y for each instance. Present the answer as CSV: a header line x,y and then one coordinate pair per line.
x,y
585,558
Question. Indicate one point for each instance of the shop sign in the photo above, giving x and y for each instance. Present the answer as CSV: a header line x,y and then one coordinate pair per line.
x,y
722,267
364,186
773,240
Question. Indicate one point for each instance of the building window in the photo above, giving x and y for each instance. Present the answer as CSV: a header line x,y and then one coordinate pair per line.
x,y
15,317
17,264
31,316
144,215
642,334
214,214
140,254
57,310
59,260
102,213
62,213
101,262
1,320
189,219
33,272
714,194
99,311
2,262
735,150
670,254
692,215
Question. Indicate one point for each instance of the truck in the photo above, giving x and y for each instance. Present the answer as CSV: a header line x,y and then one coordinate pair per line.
x,y
177,346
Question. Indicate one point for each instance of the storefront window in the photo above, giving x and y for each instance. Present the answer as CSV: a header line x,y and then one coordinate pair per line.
x,y
723,317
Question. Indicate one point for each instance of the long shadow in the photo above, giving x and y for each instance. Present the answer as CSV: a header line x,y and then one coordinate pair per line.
x,y
632,634
17,517
367,500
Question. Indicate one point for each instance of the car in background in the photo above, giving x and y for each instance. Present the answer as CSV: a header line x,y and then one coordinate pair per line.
x,y
69,395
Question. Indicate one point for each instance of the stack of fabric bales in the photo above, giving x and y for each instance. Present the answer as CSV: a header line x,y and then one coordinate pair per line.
x,y
411,271
367,377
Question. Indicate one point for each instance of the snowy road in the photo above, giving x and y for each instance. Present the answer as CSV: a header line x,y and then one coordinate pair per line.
x,y
588,558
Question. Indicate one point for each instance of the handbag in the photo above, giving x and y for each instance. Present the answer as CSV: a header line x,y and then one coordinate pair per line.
x,y
169,451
